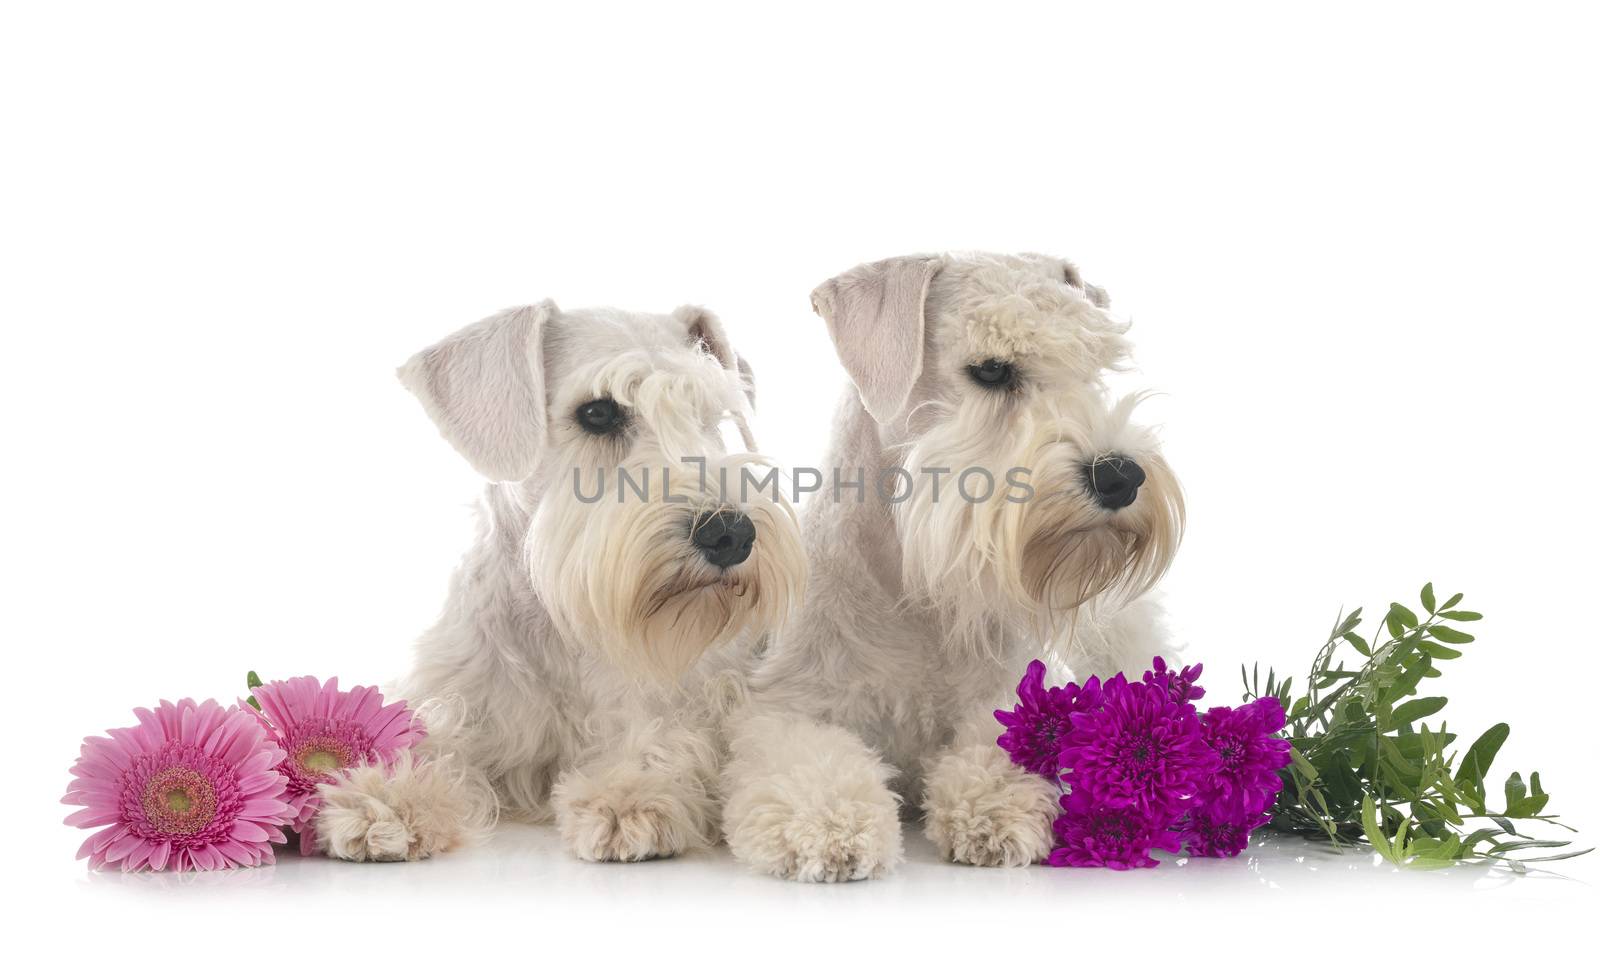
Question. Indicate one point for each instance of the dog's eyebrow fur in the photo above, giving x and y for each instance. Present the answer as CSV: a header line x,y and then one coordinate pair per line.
x,y
679,398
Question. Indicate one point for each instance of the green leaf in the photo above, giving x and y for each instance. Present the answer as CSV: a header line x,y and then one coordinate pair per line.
x,y
1414,710
1406,684
1374,832
1476,761
1518,802
1437,651
1537,798
251,681
1348,623
1412,745
1529,845
1367,764
1515,789
1560,856
1399,620
1439,631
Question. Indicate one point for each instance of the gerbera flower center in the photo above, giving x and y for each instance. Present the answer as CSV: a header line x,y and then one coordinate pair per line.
x,y
179,800
319,756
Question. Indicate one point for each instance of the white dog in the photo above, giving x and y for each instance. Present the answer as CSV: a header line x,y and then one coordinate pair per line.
x,y
565,676
922,613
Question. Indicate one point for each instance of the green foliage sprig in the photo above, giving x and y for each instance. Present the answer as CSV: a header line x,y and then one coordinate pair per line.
x,y
1368,766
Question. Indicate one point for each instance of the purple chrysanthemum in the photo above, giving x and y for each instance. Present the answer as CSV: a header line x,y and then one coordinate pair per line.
x,y
1249,755
1140,749
1092,833
1036,728
1179,686
1209,833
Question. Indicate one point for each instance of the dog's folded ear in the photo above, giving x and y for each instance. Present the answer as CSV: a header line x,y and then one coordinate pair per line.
x,y
875,316
484,388
705,329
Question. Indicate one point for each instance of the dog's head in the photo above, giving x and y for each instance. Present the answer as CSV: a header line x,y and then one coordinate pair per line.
x,y
991,368
640,541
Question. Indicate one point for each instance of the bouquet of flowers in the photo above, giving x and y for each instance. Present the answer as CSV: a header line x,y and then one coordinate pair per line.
x,y
200,786
1142,769
1353,757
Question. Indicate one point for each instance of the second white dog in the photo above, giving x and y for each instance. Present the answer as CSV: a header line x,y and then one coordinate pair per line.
x,y
1006,503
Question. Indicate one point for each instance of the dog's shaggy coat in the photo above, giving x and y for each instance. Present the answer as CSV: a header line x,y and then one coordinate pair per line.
x,y
922,613
588,651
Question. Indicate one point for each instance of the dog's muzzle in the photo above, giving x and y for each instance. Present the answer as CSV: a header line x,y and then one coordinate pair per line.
x,y
1113,481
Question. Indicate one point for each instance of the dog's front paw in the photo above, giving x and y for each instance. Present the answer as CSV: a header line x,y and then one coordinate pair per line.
x,y
984,810
627,815
364,831
808,825
410,810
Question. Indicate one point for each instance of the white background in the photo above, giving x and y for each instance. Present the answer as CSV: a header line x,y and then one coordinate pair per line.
x,y
1358,246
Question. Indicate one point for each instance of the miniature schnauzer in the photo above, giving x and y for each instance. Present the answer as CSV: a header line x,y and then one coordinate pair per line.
x,y
594,636
991,503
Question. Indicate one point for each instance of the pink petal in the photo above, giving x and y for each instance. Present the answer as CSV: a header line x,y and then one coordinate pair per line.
x,y
138,857
248,831
122,847
149,733
263,808
328,698
91,817
269,779
158,856
188,723
232,853
106,837
98,840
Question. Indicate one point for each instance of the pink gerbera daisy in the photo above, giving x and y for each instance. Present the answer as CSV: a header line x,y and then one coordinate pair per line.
x,y
323,730
192,787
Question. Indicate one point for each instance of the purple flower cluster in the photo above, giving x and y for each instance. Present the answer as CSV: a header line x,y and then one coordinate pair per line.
x,y
1142,769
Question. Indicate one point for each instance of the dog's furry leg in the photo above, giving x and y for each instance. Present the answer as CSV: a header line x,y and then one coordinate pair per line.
x,y
982,809
809,801
1123,642
421,804
650,796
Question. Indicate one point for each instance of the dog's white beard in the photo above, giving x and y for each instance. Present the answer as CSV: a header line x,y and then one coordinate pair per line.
x,y
625,580
998,565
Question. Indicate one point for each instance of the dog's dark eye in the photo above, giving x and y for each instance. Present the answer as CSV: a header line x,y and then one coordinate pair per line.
x,y
992,373
600,417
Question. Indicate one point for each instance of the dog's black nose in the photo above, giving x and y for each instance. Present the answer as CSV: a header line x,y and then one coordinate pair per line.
x,y
724,537
1113,481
